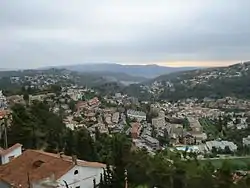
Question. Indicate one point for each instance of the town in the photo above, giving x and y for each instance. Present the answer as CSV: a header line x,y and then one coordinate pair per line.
x,y
203,128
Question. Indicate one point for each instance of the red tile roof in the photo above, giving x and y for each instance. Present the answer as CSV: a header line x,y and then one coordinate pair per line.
x,y
3,113
135,127
39,165
93,101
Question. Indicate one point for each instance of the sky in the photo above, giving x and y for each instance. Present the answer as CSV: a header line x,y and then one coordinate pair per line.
x,y
40,33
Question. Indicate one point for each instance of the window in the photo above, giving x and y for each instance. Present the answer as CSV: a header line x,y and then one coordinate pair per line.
x,y
11,157
76,172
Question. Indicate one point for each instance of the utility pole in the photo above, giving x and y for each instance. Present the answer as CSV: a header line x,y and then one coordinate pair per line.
x,y
5,134
126,178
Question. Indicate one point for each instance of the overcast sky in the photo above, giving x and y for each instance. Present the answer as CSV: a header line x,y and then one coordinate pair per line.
x,y
37,33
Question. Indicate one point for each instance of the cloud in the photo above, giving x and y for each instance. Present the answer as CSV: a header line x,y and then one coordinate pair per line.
x,y
42,32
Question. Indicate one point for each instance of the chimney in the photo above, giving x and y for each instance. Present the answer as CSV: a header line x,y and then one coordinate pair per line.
x,y
61,155
74,159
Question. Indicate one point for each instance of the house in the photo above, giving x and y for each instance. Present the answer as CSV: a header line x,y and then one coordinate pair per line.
x,y
9,154
15,99
152,142
118,95
3,113
34,166
220,145
246,141
139,115
81,105
158,122
135,130
94,102
3,101
115,117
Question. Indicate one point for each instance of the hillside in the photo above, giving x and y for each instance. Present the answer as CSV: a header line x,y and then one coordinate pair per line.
x,y
147,71
219,82
11,82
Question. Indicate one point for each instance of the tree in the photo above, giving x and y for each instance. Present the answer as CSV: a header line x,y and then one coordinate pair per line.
x,y
214,151
26,97
227,150
56,89
72,105
224,175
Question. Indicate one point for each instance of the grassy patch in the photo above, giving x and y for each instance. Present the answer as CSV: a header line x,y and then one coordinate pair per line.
x,y
237,163
209,128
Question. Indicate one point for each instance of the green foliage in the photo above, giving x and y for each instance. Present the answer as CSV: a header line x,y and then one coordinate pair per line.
x,y
35,126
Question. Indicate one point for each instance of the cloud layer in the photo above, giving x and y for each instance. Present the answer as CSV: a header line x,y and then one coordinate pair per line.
x,y
43,32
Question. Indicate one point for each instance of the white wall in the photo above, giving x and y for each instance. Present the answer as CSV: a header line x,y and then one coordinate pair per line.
x,y
84,178
4,185
16,152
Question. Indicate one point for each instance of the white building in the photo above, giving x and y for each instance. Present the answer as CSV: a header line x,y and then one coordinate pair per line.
x,y
115,117
221,145
151,142
139,115
159,122
9,154
3,101
246,141
35,166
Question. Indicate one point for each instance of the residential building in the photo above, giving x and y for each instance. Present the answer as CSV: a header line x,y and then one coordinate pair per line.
x,y
3,113
152,142
3,101
9,154
94,102
81,105
135,130
199,137
246,141
220,145
138,115
115,117
34,166
159,122
15,99
118,95
161,114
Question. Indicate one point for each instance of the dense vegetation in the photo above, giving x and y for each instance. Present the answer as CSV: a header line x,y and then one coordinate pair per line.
x,y
213,82
36,127
216,82
216,88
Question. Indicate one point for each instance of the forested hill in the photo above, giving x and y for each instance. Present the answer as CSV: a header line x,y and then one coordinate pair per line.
x,y
233,80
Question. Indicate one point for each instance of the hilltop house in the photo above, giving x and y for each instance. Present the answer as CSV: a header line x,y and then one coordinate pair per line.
x,y
37,167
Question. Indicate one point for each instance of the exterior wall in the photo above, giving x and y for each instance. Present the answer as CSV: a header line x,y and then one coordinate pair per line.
x,y
4,185
16,152
84,178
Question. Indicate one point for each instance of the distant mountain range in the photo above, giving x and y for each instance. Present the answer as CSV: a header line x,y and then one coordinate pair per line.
x,y
146,71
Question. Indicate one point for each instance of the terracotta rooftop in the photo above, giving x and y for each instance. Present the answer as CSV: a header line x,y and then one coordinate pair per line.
x,y
3,113
135,127
39,165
